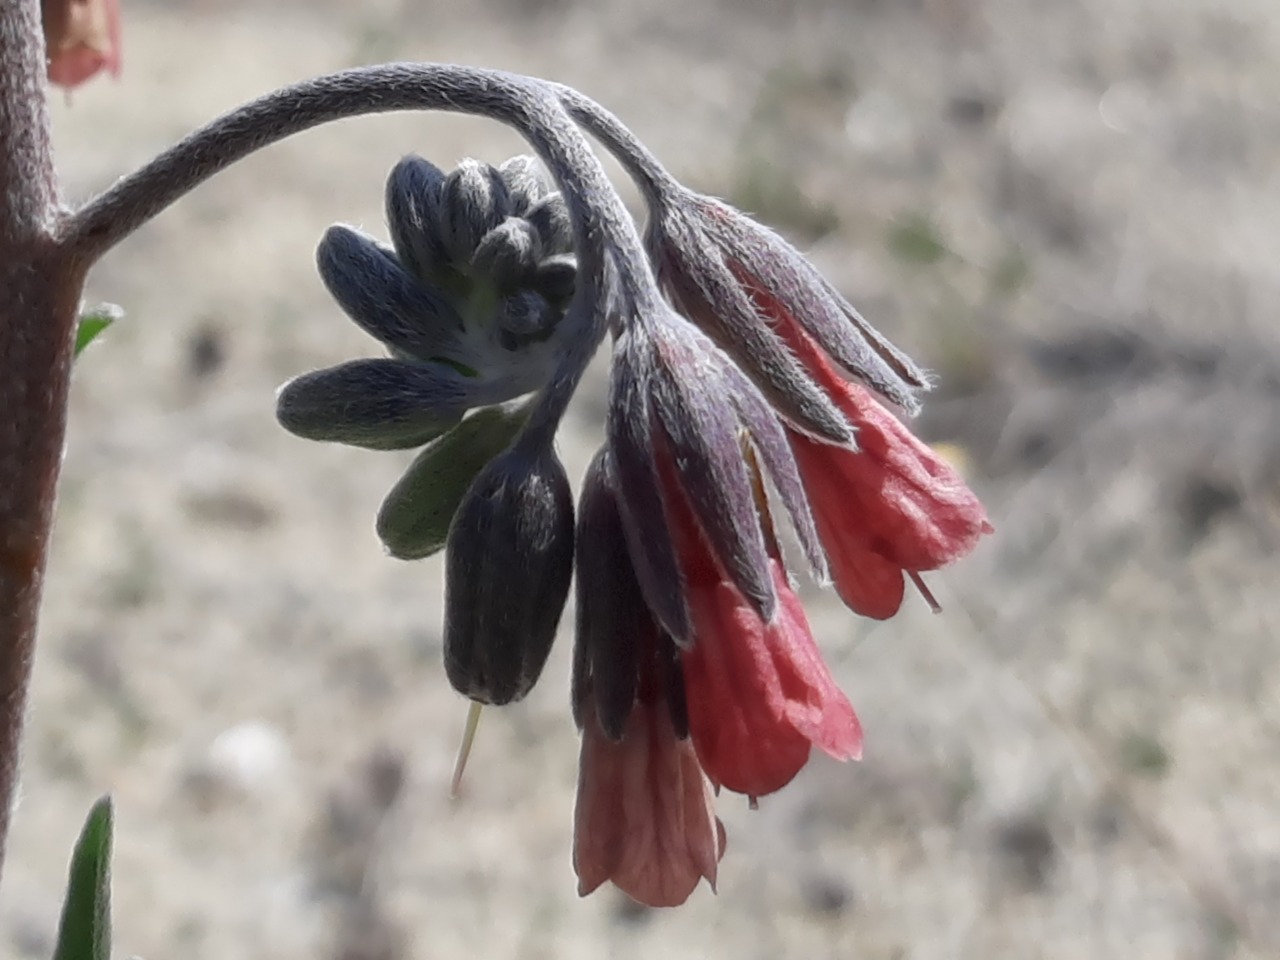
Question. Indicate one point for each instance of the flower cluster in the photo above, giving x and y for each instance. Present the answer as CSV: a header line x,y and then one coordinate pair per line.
x,y
711,642
744,392
468,301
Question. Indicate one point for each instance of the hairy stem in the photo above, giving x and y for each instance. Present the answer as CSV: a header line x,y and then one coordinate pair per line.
x,y
655,183
604,234
39,292
509,98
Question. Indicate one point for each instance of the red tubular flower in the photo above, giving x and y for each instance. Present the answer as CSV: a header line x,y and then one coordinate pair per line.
x,y
675,397
759,694
82,38
892,506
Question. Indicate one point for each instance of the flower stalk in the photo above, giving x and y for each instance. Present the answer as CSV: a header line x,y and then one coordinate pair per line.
x,y
39,289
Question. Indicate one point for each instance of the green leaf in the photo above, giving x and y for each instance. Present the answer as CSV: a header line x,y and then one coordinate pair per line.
x,y
84,932
93,322
414,519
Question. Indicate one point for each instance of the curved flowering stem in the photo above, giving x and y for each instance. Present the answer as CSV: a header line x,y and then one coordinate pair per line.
x,y
603,232
46,250
655,182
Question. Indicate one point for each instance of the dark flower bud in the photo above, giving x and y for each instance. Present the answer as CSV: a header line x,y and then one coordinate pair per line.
x,y
556,278
620,654
550,217
614,626
525,183
524,318
508,565
474,200
508,254
413,216
379,404
414,519
413,319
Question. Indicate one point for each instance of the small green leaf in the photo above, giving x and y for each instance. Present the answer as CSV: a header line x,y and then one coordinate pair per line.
x,y
84,932
414,519
93,322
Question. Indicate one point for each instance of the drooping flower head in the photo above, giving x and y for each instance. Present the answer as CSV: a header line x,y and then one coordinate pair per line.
x,y
694,663
752,392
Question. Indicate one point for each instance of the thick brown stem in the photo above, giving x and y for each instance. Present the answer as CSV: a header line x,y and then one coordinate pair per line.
x,y
39,293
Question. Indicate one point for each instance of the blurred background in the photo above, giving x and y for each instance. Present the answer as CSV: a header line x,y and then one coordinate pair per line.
x,y
1070,211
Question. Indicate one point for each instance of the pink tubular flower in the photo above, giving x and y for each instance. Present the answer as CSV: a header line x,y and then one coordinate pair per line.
x,y
82,38
644,816
892,506
759,694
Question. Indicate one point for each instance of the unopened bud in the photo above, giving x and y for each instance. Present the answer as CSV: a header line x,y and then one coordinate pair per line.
x,y
525,317
508,254
550,217
413,216
507,571
379,404
525,183
411,317
614,626
555,279
474,200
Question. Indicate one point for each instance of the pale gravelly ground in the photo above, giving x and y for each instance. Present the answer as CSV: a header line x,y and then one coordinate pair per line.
x,y
1070,210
